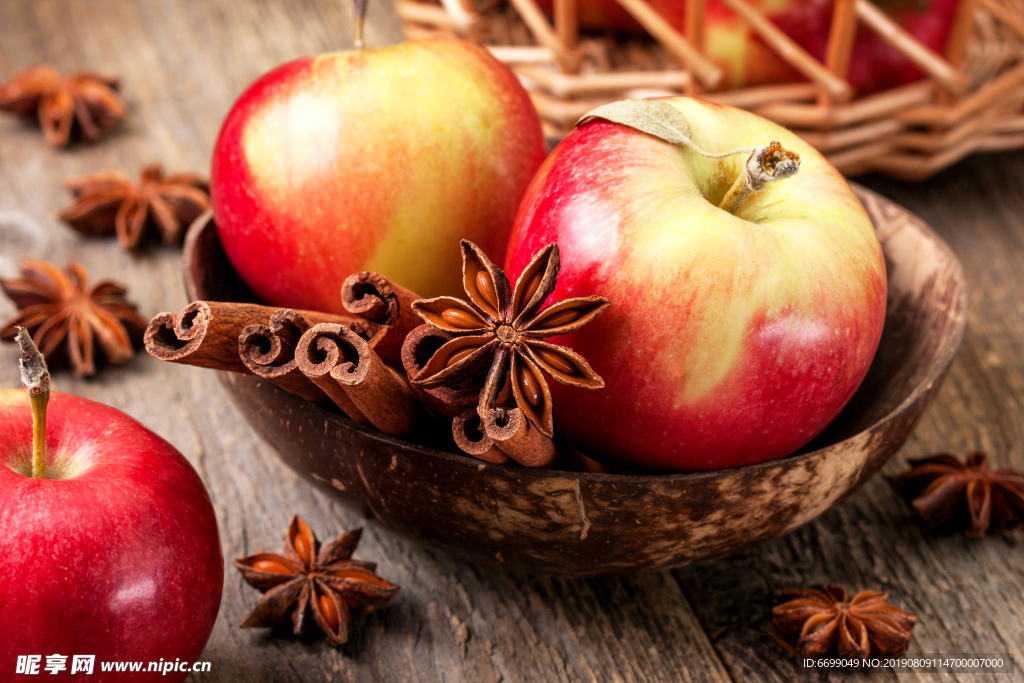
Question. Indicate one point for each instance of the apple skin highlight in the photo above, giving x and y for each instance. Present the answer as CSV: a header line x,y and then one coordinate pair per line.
x,y
731,339
121,559
372,160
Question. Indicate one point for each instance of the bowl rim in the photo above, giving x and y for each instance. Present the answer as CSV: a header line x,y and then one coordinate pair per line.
x,y
938,367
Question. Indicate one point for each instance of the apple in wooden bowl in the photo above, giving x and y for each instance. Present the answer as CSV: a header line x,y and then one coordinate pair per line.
x,y
577,524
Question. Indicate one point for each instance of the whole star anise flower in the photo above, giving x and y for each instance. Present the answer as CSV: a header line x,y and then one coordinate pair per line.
x,y
817,622
108,203
499,335
57,305
309,579
948,494
84,98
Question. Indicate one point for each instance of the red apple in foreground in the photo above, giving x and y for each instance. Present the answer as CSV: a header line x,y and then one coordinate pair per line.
x,y
372,160
113,553
732,338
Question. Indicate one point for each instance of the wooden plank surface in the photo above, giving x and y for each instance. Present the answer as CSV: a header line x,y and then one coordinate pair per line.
x,y
182,64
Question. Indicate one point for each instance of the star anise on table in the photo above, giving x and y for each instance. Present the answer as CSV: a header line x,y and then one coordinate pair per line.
x,y
83,98
308,579
814,623
948,494
107,203
69,318
499,335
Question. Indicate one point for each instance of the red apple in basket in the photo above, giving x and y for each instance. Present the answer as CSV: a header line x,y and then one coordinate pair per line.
x,y
372,160
734,336
109,545
748,61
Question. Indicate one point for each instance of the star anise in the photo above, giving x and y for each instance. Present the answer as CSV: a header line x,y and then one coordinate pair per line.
x,y
818,622
948,494
499,335
57,305
84,98
108,202
309,579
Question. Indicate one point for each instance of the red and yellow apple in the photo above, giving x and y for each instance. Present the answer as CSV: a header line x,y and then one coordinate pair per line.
x,y
732,338
372,160
749,61
113,552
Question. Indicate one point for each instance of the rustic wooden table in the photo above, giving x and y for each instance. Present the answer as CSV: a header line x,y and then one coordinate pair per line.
x,y
182,64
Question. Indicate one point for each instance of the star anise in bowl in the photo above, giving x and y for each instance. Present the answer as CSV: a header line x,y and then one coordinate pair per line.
x,y
950,495
108,203
309,580
84,101
814,623
69,319
499,335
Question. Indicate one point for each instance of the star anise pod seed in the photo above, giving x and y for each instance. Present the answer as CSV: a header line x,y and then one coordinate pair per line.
x,y
947,494
499,335
308,579
57,305
106,203
84,98
818,622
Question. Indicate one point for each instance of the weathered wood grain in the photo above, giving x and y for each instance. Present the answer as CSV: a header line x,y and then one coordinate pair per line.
x,y
182,64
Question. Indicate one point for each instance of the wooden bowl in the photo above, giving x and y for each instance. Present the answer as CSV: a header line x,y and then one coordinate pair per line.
x,y
572,524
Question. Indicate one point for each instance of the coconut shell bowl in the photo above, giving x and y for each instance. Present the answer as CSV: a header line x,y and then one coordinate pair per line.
x,y
578,524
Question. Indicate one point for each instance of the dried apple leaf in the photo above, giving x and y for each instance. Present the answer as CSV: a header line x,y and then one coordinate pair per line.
x,y
653,117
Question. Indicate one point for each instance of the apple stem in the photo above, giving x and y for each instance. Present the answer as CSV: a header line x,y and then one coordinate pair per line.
x,y
764,165
359,22
36,379
737,194
660,119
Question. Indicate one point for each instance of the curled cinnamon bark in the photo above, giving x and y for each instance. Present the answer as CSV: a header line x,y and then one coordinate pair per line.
x,y
511,432
317,353
420,346
470,438
375,298
204,334
355,377
268,351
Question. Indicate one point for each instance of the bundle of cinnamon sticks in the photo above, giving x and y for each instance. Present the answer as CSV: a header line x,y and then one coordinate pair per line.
x,y
362,361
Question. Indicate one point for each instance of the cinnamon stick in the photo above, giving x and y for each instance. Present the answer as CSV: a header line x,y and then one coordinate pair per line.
x,y
419,347
268,351
356,378
470,438
204,334
375,298
511,432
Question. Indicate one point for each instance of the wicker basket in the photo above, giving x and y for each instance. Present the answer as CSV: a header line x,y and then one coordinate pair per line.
x,y
972,100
